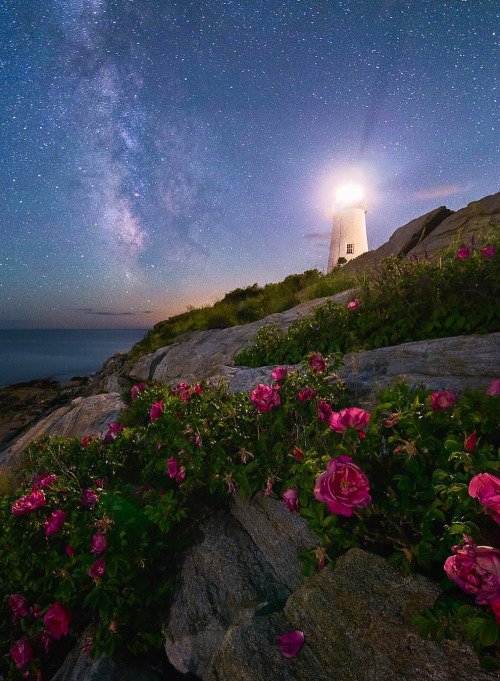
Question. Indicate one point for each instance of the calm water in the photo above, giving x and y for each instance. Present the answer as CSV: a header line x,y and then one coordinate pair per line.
x,y
60,354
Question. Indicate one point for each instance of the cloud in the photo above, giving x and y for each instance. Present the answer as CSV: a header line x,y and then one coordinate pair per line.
x,y
440,192
318,236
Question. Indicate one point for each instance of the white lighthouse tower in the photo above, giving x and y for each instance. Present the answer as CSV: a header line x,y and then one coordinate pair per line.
x,y
349,226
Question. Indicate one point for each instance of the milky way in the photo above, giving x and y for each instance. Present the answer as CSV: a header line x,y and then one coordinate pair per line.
x,y
156,154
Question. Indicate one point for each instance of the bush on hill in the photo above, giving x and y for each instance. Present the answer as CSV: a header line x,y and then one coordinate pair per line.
x,y
406,301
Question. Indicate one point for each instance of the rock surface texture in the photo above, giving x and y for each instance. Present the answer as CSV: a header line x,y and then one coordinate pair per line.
x,y
237,593
84,416
440,364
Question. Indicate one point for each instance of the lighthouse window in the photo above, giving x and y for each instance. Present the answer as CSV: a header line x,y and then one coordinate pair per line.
x,y
350,248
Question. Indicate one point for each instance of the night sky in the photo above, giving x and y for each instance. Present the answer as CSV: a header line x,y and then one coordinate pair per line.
x,y
157,154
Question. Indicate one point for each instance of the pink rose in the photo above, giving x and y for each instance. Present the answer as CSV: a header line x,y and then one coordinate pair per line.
x,y
265,397
172,467
99,543
22,652
19,605
470,443
115,428
156,411
87,440
343,486
279,373
291,499
70,551
485,487
298,453
89,497
354,417
54,522
464,253
443,400
28,503
306,394
391,421
181,475
324,412
57,619
353,305
488,252
135,389
476,570
494,387
45,480
98,568
291,643
317,363
198,389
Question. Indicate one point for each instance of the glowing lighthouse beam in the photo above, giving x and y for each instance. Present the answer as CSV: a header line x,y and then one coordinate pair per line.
x,y
349,227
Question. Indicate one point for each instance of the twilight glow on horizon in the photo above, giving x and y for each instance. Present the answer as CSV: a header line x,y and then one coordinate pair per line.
x,y
158,154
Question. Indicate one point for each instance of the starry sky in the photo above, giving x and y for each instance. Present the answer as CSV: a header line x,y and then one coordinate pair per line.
x,y
157,154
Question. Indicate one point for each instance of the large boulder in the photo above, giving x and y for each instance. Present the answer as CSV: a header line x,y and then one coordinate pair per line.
x,y
439,364
84,416
237,594
209,354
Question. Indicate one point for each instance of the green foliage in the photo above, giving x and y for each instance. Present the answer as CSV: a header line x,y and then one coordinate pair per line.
x,y
242,306
414,457
406,301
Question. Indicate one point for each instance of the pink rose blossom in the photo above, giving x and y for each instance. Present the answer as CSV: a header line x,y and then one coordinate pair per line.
x,y
353,305
115,428
488,252
291,499
443,400
22,652
391,421
172,467
45,480
156,411
198,389
89,497
135,389
54,522
265,397
324,412
28,503
298,453
99,543
279,373
349,418
307,394
470,443
485,487
45,640
181,475
494,387
316,363
70,551
291,643
57,619
87,440
98,568
36,611
476,570
464,253
343,486
19,605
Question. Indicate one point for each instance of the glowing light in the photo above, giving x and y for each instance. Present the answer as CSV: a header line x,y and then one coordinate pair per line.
x,y
349,195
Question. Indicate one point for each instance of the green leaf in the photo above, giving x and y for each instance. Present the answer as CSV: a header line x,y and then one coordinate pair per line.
x,y
489,633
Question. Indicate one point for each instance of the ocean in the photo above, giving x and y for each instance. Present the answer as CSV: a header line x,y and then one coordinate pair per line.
x,y
60,354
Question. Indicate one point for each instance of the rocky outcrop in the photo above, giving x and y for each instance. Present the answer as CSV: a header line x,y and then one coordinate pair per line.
x,y
210,354
439,364
236,594
476,220
84,416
